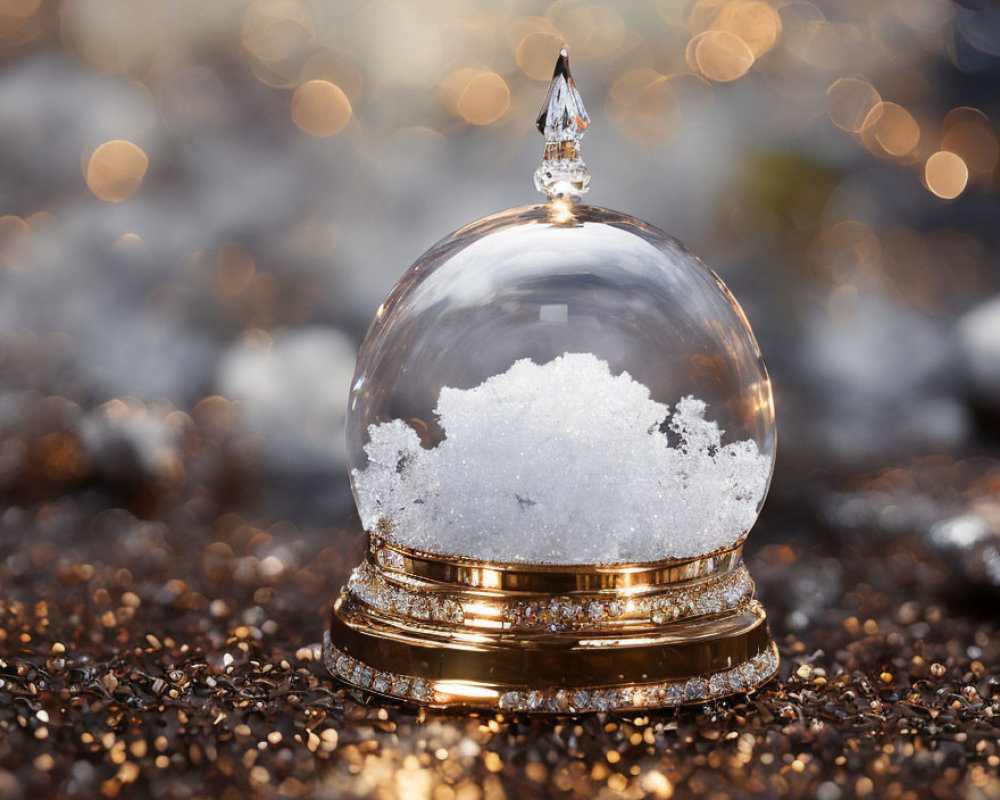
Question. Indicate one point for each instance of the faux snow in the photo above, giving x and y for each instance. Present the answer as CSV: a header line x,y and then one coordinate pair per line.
x,y
562,463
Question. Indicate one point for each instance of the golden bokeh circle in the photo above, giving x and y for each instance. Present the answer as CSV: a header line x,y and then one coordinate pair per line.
x,y
969,133
536,53
895,128
850,103
690,51
702,13
946,174
320,108
115,170
753,21
722,56
485,99
454,84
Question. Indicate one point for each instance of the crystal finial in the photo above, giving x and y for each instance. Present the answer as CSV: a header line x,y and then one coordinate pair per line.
x,y
563,117
563,121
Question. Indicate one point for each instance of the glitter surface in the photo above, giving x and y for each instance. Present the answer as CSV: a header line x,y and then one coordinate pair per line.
x,y
156,661
563,463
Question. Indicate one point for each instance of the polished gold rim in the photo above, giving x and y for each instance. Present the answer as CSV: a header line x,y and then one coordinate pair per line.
x,y
548,578
536,677
744,677
552,659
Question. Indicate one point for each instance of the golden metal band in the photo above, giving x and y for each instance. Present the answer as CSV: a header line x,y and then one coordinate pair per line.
x,y
548,578
399,595
550,660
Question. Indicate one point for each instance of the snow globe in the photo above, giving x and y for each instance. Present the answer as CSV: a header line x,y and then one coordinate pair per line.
x,y
560,432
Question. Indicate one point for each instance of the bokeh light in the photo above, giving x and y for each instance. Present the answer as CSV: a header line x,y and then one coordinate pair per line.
x,y
590,31
894,128
483,98
645,106
850,103
968,133
115,170
722,56
320,108
946,174
534,54
753,21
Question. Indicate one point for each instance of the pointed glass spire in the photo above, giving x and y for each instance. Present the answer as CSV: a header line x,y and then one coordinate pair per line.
x,y
563,121
563,117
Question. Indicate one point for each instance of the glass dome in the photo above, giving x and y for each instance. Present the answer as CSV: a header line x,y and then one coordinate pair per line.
x,y
560,384
559,433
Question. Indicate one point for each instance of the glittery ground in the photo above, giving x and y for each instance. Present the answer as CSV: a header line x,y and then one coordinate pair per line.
x,y
142,660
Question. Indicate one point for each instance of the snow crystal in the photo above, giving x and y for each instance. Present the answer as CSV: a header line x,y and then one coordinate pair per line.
x,y
562,463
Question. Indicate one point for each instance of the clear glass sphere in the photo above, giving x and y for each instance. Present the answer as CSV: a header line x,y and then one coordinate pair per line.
x,y
560,384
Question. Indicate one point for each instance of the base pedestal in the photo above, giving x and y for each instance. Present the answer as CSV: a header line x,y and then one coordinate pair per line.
x,y
457,633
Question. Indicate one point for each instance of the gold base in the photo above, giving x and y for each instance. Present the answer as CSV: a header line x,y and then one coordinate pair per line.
x,y
458,633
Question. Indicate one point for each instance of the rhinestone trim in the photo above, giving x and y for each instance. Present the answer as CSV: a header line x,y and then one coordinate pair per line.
x,y
716,595
743,677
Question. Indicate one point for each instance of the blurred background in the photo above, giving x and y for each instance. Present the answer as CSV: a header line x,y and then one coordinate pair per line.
x,y
204,203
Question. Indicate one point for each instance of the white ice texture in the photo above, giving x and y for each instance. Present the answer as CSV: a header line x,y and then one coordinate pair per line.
x,y
562,463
